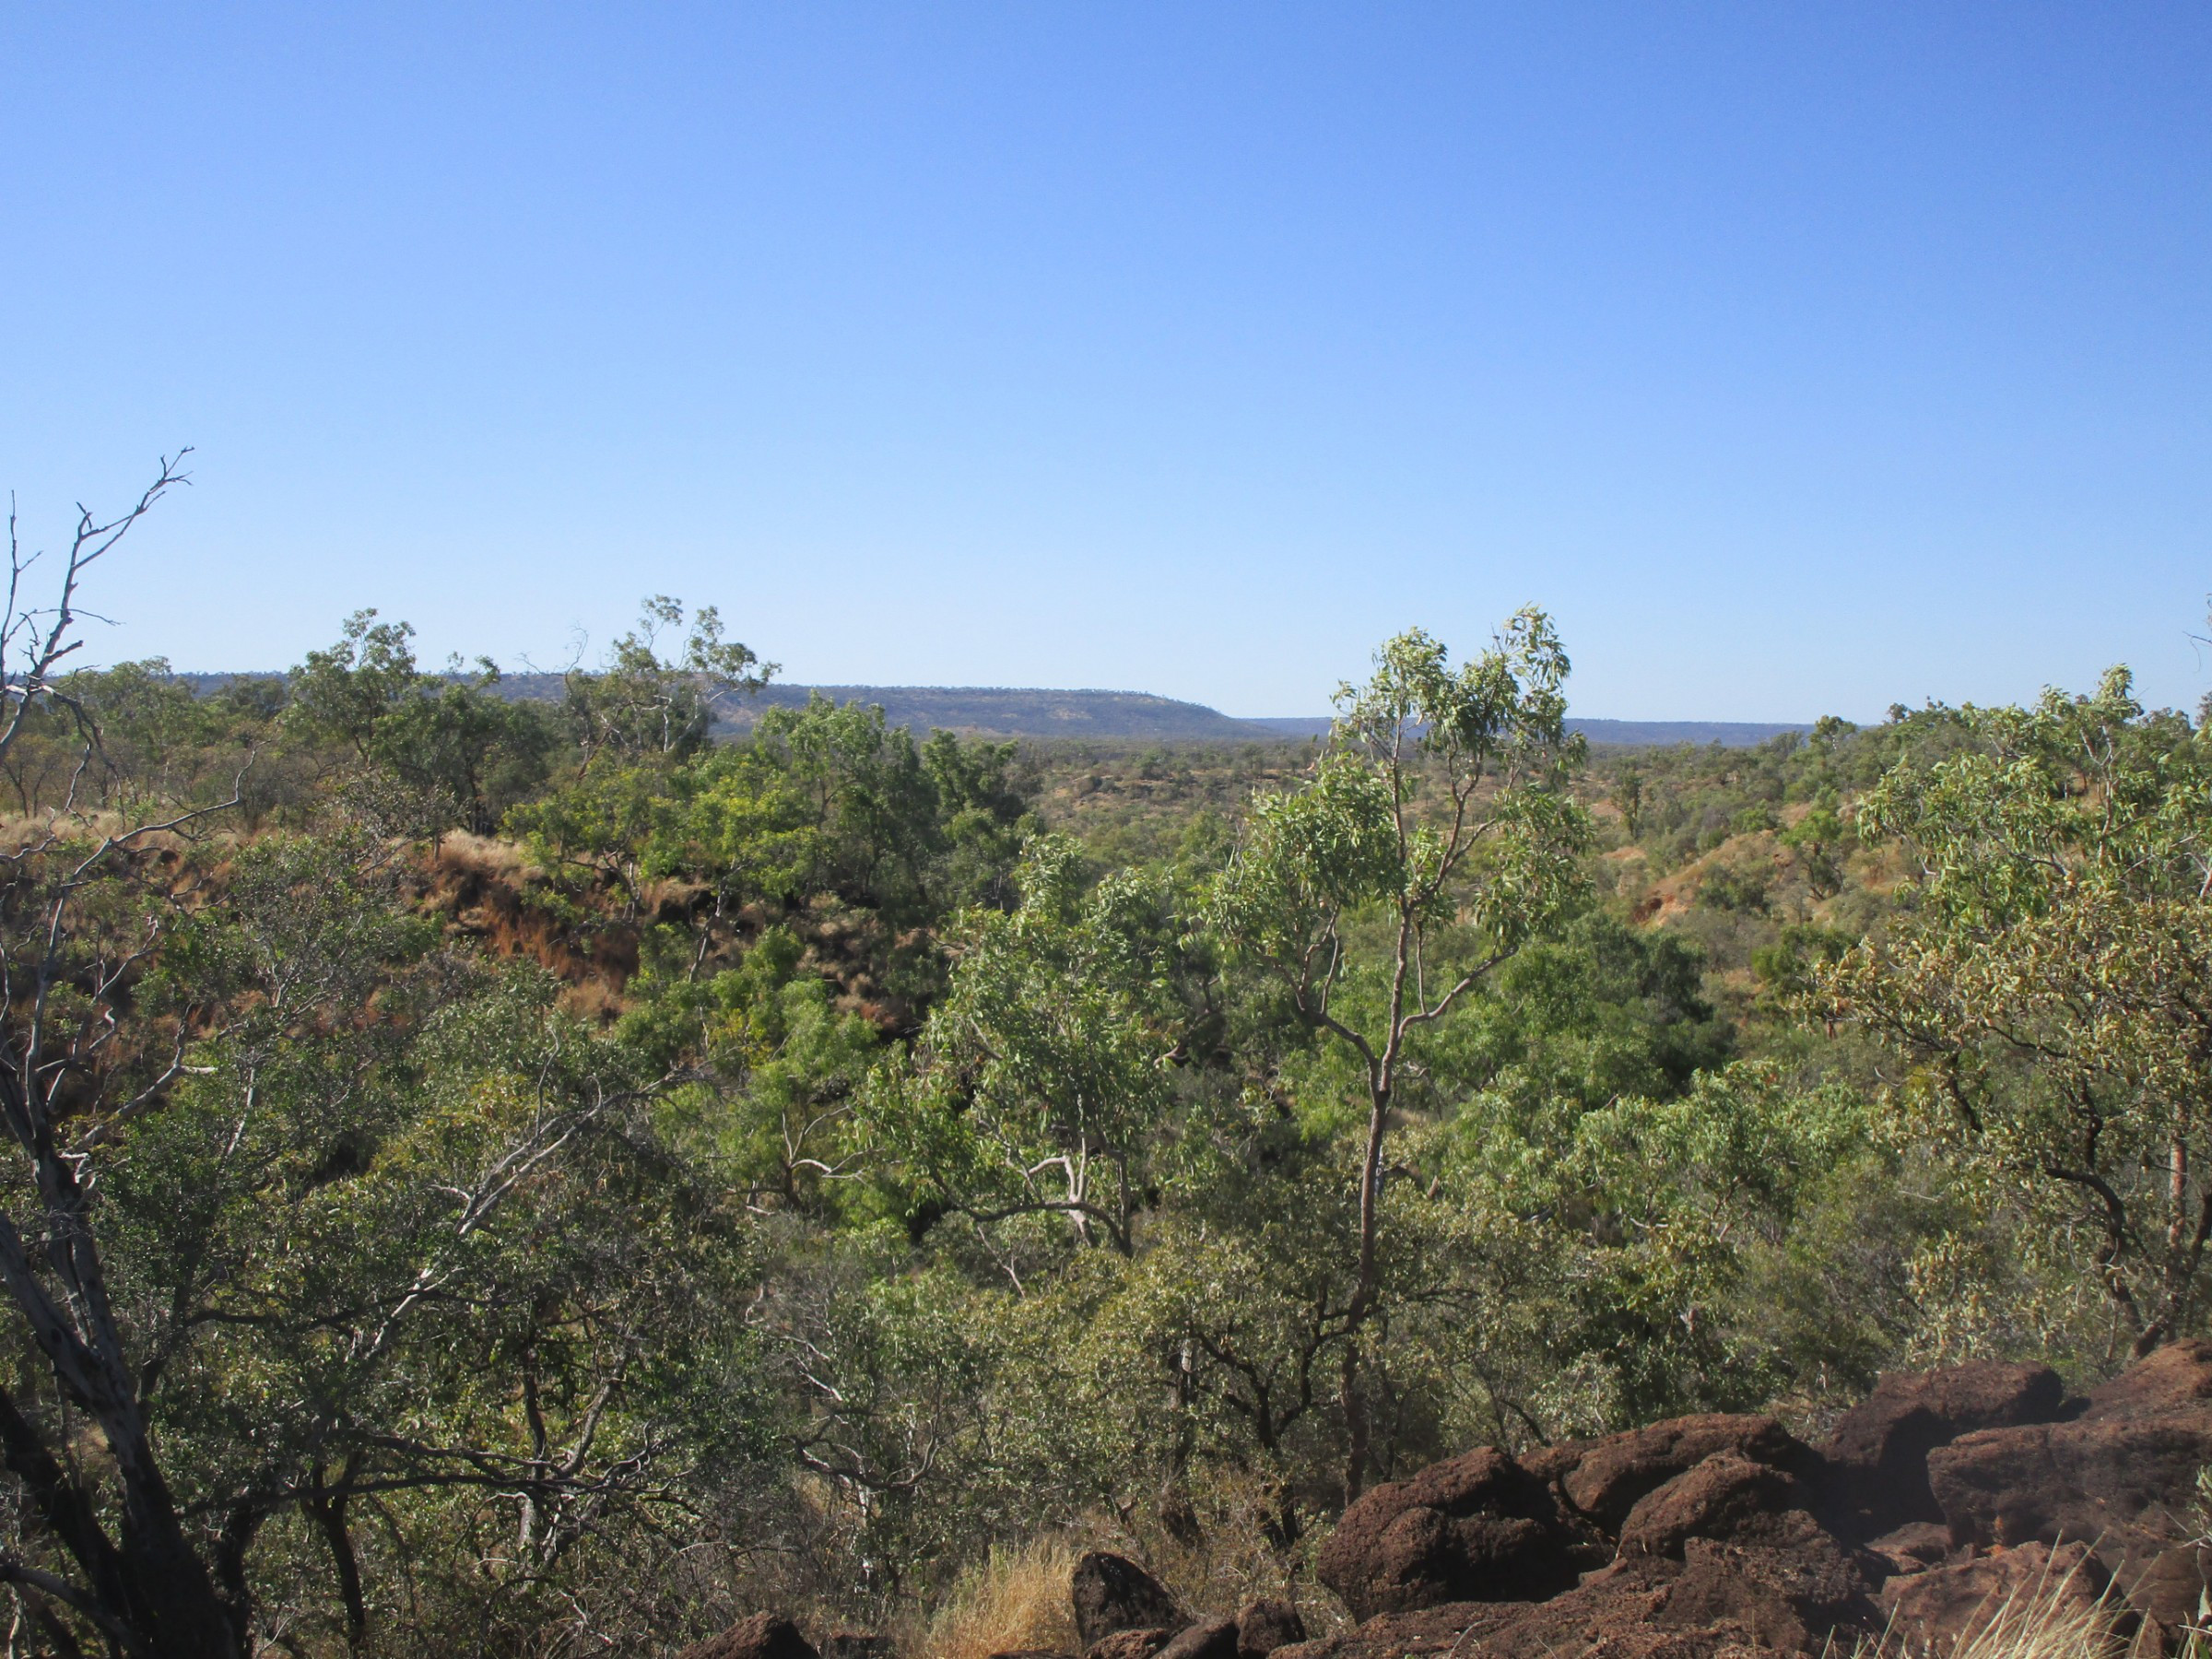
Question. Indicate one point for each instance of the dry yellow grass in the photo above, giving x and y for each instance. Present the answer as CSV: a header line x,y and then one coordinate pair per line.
x,y
1016,1599
2047,1619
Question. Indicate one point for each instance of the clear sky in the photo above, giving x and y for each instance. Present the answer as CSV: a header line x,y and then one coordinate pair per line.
x,y
1800,358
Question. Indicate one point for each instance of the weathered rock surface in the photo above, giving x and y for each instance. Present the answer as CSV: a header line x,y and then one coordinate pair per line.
x,y
1130,1644
1783,1593
1112,1594
1213,1638
1603,1480
1791,1590
1913,1547
1878,1453
1727,1496
1479,1527
763,1636
2120,1478
1939,1608
1943,1499
1265,1625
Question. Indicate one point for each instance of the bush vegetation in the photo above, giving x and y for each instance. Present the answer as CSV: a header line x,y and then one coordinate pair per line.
x,y
530,1177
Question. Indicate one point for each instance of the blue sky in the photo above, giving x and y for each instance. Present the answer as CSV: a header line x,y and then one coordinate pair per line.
x,y
1800,358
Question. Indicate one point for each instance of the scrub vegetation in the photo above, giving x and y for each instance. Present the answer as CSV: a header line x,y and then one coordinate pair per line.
x,y
530,1176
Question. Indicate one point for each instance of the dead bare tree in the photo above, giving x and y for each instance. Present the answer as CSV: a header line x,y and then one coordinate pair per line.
x,y
139,1580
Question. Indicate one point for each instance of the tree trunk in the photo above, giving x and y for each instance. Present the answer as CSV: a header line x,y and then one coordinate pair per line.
x,y
1350,1395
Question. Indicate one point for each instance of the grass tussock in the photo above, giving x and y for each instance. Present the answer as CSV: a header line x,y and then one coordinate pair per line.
x,y
1015,1599
2051,1616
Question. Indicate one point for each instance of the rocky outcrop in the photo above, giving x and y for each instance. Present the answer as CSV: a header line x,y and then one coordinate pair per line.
x,y
1943,1499
1479,1527
1602,1480
763,1636
1937,1609
1113,1595
1212,1638
1265,1625
1122,1612
1726,1497
2120,1476
1878,1457
1130,1644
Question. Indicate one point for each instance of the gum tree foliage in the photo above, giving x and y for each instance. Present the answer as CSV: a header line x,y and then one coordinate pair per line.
x,y
642,704
1043,1080
819,801
1435,837
451,737
2050,983
909,829
303,1218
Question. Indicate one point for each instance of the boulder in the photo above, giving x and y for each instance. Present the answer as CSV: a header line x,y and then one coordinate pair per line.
x,y
1878,1453
1130,1644
1213,1638
858,1644
1940,1608
1794,1590
1730,1539
1265,1625
1603,1480
1725,1602
2168,1590
763,1636
1478,1527
1112,1594
1787,1594
1913,1548
2120,1478
2177,1377
1727,1496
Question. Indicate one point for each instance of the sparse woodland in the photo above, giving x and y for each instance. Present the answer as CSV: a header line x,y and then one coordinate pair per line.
x,y
532,1177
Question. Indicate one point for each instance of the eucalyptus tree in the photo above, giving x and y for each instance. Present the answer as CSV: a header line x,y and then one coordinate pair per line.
x,y
1436,837
1043,1079
300,1215
640,704
2051,979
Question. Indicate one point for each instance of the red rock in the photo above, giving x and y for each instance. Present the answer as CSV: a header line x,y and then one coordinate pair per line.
x,y
2121,1478
1725,1601
1878,1453
1937,1609
1130,1644
1913,1548
1215,1638
1265,1625
1111,1592
763,1636
2177,1377
1474,1528
1727,1496
1603,1478
1792,1591
2168,1589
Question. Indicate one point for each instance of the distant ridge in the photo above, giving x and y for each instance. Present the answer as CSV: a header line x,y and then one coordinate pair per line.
x,y
1026,711
1103,716
1617,733
1653,734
